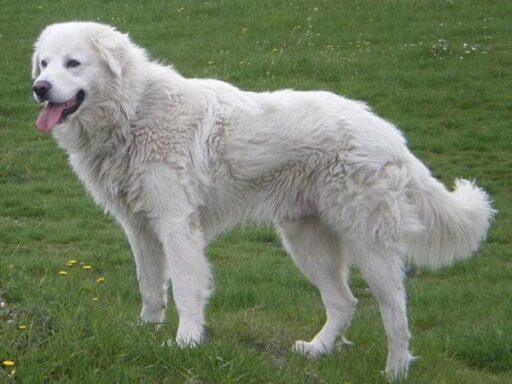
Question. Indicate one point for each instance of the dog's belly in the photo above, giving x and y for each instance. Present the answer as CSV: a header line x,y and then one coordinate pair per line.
x,y
251,202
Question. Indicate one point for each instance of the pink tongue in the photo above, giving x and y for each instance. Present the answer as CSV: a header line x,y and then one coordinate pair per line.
x,y
50,116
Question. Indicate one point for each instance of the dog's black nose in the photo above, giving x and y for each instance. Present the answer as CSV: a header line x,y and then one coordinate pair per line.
x,y
41,88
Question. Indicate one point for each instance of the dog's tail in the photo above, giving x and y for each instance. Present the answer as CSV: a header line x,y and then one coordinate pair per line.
x,y
454,222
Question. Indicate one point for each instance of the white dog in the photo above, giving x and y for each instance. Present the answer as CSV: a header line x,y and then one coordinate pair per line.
x,y
177,161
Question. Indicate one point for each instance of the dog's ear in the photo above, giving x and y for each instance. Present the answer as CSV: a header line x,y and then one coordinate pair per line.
x,y
36,68
36,59
35,65
113,49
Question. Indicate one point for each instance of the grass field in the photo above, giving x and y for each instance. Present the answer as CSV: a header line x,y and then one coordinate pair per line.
x,y
441,70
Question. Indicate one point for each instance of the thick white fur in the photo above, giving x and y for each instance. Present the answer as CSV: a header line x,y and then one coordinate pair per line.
x,y
177,161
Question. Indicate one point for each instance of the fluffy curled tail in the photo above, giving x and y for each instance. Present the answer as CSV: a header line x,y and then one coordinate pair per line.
x,y
454,222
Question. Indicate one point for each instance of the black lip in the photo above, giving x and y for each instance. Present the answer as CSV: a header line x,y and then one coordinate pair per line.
x,y
80,96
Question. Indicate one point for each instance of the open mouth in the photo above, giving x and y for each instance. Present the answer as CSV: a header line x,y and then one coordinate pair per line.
x,y
55,113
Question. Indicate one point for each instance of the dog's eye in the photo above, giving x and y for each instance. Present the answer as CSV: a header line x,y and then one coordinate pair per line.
x,y
72,63
44,63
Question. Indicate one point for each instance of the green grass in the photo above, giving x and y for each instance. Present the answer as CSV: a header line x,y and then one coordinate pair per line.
x,y
440,69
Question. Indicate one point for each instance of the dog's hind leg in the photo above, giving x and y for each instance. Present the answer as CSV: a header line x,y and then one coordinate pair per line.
x,y
316,252
383,271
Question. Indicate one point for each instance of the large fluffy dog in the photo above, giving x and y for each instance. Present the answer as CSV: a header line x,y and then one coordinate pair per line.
x,y
177,161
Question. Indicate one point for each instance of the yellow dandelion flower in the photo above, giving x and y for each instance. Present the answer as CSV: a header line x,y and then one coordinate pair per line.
x,y
100,280
22,327
63,273
87,267
71,263
8,363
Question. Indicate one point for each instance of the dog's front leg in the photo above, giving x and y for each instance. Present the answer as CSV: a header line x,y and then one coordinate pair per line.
x,y
152,269
190,275
175,220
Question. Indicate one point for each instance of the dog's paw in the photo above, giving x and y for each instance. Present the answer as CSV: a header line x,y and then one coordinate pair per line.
x,y
147,324
181,344
189,337
311,350
397,367
151,316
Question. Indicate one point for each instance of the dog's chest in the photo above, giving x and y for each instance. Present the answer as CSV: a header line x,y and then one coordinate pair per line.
x,y
105,177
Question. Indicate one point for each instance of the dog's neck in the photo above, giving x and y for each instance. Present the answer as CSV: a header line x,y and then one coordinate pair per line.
x,y
84,134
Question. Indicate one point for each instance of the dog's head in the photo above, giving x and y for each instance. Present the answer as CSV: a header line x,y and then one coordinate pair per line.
x,y
73,63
